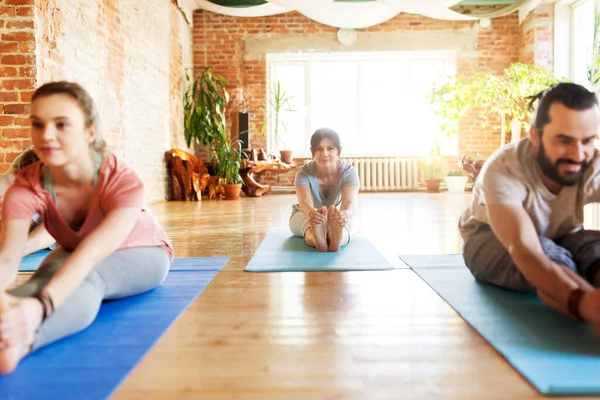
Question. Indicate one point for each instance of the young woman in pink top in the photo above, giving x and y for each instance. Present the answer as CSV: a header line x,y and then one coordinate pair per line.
x,y
92,203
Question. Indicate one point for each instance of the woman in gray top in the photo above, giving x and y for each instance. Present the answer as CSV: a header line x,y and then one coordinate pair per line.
x,y
327,190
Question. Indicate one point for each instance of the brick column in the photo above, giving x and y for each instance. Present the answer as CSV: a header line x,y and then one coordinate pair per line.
x,y
537,36
17,76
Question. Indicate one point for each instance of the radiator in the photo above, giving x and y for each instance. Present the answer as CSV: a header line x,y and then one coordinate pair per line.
x,y
591,216
386,174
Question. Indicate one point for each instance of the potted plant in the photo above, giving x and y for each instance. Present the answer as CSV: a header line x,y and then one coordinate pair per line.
x,y
502,95
204,106
226,160
431,165
456,181
279,102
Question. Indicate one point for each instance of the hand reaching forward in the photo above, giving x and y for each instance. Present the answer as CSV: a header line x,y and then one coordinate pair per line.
x,y
589,308
317,216
339,217
19,319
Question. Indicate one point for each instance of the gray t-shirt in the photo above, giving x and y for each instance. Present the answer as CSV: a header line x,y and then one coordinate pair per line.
x,y
510,177
306,176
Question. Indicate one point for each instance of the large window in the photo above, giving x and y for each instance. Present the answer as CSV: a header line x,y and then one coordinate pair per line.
x,y
574,39
375,101
583,39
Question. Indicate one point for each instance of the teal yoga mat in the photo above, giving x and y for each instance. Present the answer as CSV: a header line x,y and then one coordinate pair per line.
x,y
33,261
280,251
557,355
92,363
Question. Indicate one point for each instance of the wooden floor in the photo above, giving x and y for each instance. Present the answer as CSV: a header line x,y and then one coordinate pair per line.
x,y
320,335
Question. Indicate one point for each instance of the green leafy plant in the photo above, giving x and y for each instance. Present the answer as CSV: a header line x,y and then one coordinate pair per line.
x,y
454,172
279,102
204,105
451,99
502,95
594,68
227,158
432,164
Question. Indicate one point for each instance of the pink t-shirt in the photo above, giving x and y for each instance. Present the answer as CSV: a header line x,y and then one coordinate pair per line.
x,y
118,186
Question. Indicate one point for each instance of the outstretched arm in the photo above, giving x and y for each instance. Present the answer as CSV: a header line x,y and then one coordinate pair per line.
x,y
305,200
514,228
98,245
349,205
7,179
38,239
13,234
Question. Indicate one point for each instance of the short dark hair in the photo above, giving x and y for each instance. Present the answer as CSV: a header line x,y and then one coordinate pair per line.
x,y
324,133
571,95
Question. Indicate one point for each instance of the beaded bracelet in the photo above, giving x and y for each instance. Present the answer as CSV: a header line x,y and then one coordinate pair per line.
x,y
47,304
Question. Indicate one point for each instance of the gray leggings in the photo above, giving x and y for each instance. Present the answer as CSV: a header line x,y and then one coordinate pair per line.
x,y
489,261
124,273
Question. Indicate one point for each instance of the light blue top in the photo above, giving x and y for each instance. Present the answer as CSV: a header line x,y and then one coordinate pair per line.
x,y
307,176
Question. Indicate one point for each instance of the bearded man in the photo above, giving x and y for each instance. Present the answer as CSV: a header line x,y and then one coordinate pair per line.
x,y
524,227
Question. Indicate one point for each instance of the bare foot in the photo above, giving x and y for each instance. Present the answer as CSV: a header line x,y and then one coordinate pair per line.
x,y
320,232
19,320
337,233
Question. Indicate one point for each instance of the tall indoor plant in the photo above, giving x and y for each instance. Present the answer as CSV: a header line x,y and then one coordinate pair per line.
x,y
503,95
278,103
204,106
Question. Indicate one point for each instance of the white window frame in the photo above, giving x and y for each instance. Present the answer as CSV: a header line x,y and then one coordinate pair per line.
x,y
272,59
564,37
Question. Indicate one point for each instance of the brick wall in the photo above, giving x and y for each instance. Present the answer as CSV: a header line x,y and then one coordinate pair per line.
x,y
17,75
127,55
537,36
236,47
176,76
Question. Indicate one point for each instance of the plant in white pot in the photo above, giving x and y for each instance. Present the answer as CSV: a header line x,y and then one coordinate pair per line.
x,y
279,103
455,181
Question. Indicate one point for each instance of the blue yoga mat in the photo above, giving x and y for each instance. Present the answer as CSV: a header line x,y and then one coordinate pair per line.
x,y
33,261
557,355
280,251
91,364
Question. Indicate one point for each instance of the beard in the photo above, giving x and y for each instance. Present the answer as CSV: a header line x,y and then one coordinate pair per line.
x,y
550,170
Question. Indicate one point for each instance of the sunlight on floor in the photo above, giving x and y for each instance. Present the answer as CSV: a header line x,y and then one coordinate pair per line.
x,y
413,223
